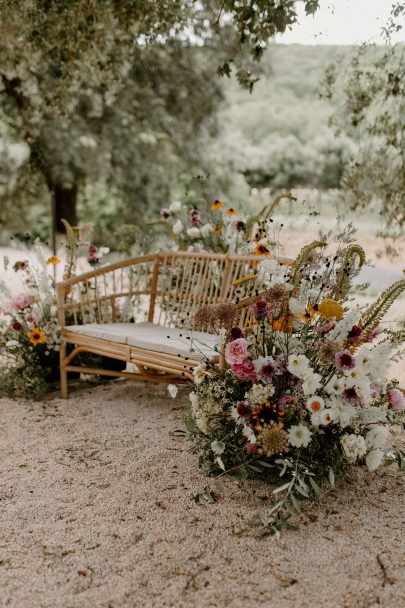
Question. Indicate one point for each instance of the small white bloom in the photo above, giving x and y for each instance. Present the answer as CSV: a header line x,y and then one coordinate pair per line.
x,y
175,206
326,417
259,393
206,230
335,386
218,447
377,437
374,459
249,434
202,424
193,233
177,227
194,399
299,366
299,436
270,266
316,419
296,307
343,412
173,390
372,414
311,384
354,446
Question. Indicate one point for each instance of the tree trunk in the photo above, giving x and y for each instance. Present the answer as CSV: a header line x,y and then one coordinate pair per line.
x,y
64,200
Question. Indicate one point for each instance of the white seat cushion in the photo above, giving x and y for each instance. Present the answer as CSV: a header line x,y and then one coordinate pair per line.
x,y
193,344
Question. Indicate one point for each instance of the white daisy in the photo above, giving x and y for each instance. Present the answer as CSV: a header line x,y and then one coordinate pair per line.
x,y
335,386
311,384
299,436
315,404
326,416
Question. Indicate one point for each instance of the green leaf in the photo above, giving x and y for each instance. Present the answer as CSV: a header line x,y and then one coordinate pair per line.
x,y
221,486
315,486
256,469
302,491
295,503
331,477
265,464
282,488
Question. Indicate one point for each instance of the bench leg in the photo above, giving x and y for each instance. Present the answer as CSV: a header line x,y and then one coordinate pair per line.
x,y
63,372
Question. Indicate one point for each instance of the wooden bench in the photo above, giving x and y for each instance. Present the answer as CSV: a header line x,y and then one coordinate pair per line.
x,y
140,311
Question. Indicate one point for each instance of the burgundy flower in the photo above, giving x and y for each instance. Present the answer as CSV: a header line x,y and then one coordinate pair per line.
x,y
354,334
344,360
245,370
17,325
92,256
251,448
20,265
351,395
165,214
195,217
244,410
268,369
240,226
261,310
235,333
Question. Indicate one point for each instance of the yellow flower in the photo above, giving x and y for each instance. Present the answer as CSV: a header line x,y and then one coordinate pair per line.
x,y
36,336
216,205
53,260
329,309
231,211
217,230
245,279
262,250
284,323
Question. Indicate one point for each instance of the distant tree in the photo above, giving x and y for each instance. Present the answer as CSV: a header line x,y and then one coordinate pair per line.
x,y
67,69
369,92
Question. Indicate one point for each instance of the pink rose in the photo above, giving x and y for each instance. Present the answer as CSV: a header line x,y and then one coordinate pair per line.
x,y
236,351
23,300
397,399
245,370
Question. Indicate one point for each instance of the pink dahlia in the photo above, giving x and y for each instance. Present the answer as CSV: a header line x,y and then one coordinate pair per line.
x,y
397,399
344,360
245,370
23,300
236,351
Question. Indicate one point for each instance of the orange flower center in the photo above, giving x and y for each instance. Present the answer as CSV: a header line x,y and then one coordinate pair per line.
x,y
316,406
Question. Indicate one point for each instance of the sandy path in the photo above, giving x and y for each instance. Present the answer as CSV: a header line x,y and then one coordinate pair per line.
x,y
96,511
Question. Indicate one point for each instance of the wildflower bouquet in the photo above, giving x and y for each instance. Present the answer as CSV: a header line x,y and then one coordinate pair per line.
x,y
217,228
29,331
305,392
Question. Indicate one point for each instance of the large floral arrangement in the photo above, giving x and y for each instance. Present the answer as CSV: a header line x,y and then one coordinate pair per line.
x,y
29,331
305,394
217,226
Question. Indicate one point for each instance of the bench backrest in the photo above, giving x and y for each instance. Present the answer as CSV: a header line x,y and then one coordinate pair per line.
x,y
166,288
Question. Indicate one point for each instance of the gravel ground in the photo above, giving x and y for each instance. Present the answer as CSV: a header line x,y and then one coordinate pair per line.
x,y
96,511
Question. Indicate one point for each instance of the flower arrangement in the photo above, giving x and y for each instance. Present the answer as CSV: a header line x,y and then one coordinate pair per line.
x,y
217,227
29,331
305,394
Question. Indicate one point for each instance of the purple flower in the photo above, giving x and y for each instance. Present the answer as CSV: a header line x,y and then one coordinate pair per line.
x,y
344,360
245,370
286,402
235,333
323,329
165,214
261,310
195,217
244,410
351,395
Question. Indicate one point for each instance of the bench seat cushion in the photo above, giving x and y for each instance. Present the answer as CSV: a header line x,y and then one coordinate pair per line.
x,y
148,336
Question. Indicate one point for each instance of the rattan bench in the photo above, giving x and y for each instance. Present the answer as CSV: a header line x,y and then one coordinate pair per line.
x,y
140,311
